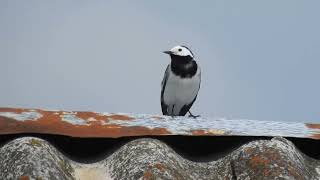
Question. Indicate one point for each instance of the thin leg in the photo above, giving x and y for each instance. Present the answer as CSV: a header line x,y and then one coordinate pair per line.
x,y
193,116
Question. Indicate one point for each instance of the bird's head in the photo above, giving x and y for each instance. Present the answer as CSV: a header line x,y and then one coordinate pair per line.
x,y
180,52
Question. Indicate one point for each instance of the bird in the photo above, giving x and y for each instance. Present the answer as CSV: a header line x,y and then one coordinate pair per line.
x,y
181,82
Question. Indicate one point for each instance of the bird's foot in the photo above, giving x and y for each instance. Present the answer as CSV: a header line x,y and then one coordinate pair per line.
x,y
193,116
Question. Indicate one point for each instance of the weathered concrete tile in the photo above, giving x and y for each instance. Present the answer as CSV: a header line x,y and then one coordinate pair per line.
x,y
278,158
93,124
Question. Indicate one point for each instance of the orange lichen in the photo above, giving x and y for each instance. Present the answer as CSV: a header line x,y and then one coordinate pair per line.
x,y
199,132
24,178
211,132
147,175
159,166
248,150
157,117
88,115
259,161
315,136
313,126
52,122
120,117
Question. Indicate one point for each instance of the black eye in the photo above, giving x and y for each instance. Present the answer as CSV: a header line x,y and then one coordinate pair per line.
x,y
179,49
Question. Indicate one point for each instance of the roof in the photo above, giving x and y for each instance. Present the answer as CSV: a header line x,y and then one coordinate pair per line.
x,y
94,124
144,152
146,158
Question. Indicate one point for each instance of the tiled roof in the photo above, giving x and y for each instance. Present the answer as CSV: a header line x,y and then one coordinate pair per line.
x,y
93,124
147,152
145,158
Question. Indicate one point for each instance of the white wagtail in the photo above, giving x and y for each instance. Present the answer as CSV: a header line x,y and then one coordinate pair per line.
x,y
181,82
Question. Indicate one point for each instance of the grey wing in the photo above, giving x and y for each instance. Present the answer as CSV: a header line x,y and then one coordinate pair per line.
x,y
165,77
164,106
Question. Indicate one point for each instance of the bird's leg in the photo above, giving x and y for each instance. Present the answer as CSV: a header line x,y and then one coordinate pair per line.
x,y
193,116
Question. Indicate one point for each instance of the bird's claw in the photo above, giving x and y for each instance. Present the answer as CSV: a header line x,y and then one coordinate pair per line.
x,y
193,116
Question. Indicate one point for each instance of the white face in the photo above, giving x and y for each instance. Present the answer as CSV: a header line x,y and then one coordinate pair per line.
x,y
181,51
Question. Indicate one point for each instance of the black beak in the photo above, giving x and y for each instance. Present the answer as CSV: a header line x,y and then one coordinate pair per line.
x,y
167,52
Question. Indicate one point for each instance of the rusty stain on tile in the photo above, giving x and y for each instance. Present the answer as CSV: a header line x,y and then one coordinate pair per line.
x,y
93,124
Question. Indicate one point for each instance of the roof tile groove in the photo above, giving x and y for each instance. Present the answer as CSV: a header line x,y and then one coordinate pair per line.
x,y
145,158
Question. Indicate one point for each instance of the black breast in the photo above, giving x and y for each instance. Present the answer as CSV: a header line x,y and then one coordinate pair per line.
x,y
183,66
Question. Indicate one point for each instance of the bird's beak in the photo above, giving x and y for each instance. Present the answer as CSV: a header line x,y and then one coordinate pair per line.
x,y
167,52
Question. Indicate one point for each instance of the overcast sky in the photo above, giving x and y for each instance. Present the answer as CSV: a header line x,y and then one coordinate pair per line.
x,y
259,59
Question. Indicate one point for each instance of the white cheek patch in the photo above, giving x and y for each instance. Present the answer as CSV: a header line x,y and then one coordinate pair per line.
x,y
183,51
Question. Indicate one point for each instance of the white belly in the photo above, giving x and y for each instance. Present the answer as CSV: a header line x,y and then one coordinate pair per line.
x,y
180,92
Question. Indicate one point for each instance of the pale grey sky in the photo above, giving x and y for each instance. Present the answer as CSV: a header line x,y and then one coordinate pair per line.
x,y
259,59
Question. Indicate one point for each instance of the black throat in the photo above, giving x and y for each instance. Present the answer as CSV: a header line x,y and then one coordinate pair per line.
x,y
183,66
